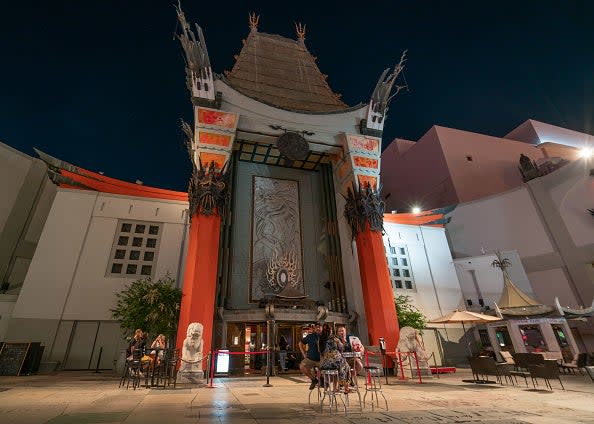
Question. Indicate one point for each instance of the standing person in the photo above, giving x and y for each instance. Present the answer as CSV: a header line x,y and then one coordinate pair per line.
x,y
311,358
330,347
282,354
345,339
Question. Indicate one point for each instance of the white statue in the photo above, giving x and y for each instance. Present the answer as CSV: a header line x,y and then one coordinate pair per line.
x,y
411,341
192,349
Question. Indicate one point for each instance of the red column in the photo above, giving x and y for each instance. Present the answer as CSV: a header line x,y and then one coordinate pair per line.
x,y
378,296
200,278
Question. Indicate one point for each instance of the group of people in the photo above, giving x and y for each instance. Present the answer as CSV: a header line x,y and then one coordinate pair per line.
x,y
153,353
324,349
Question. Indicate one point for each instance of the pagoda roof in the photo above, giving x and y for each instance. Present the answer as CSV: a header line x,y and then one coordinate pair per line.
x,y
281,72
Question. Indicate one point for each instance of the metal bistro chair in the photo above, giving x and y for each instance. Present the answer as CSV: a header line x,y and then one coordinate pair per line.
x,y
316,372
373,385
169,366
351,358
331,389
133,370
548,370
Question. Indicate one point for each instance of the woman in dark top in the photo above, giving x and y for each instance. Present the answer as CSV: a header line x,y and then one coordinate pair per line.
x,y
137,342
331,359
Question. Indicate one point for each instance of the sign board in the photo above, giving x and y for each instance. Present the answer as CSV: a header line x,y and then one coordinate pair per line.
x,y
12,358
222,365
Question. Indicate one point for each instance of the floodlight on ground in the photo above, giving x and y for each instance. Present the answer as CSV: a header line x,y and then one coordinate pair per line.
x,y
416,209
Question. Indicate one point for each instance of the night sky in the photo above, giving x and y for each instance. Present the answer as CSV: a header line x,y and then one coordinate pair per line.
x,y
101,84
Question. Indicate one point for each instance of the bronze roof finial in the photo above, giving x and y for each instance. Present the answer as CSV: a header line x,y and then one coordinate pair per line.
x,y
300,29
254,19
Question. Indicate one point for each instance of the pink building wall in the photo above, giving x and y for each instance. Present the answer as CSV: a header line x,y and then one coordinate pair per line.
x,y
493,164
448,166
418,176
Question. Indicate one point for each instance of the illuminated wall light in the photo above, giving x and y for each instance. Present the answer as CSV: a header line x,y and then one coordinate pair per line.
x,y
416,209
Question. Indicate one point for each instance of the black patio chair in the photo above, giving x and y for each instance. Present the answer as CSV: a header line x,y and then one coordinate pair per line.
x,y
169,365
523,361
484,366
133,370
547,371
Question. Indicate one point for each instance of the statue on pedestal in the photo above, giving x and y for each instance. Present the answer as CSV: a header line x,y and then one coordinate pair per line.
x,y
191,361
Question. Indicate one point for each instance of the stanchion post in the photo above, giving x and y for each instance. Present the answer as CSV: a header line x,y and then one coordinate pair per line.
x,y
268,329
382,345
418,368
207,367
213,359
401,367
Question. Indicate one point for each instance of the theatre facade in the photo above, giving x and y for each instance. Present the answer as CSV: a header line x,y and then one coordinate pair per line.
x,y
286,216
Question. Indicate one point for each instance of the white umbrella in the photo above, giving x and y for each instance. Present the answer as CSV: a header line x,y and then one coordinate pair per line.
x,y
462,317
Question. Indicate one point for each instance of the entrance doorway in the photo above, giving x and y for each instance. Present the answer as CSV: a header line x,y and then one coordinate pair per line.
x,y
252,337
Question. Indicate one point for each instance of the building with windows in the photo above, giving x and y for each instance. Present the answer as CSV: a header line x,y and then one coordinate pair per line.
x,y
99,233
448,166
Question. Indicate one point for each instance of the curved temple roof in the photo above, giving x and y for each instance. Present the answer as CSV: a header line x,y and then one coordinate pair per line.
x,y
281,72
67,175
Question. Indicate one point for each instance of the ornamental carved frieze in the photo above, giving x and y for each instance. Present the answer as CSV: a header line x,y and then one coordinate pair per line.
x,y
364,206
208,190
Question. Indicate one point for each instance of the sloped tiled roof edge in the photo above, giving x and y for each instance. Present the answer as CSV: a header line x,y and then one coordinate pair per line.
x,y
358,106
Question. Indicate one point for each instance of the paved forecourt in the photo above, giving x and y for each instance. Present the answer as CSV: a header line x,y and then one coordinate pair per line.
x,y
86,398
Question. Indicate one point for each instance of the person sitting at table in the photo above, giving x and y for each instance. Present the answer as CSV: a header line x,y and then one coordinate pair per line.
x,y
331,358
137,342
355,362
158,347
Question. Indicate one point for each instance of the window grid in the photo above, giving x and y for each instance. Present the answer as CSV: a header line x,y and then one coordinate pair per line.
x,y
400,269
135,249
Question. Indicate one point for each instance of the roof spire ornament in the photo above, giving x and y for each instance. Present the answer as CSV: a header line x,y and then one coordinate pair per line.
x,y
199,77
383,93
300,30
254,20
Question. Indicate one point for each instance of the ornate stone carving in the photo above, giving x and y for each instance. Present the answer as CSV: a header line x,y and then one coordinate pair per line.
x,y
282,272
292,146
208,191
364,206
192,349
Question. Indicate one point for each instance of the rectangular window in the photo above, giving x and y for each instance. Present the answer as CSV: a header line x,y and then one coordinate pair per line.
x,y
132,257
400,268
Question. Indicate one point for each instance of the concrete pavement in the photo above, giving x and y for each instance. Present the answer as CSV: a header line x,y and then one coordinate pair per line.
x,y
86,398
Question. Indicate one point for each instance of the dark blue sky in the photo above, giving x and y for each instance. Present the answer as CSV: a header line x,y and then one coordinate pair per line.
x,y
100,83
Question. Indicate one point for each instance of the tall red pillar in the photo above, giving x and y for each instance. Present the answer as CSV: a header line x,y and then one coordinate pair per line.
x,y
200,278
378,296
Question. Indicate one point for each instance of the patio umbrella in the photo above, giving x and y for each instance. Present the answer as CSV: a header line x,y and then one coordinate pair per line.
x,y
464,317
